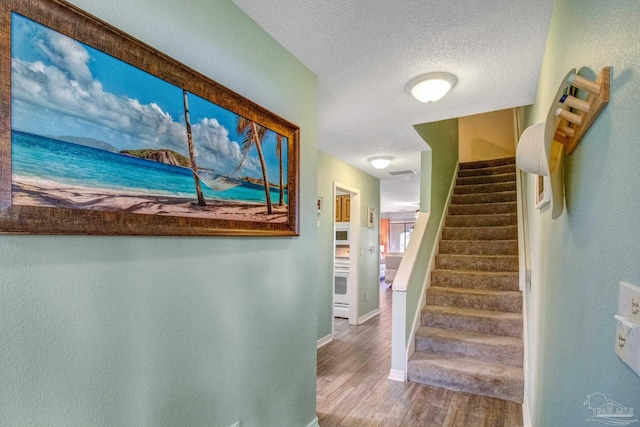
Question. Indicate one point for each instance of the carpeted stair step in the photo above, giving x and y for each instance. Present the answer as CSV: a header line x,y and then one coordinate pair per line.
x,y
479,247
509,232
467,319
483,208
495,220
478,299
487,348
496,170
484,188
483,164
498,281
467,375
477,262
486,179
471,328
464,199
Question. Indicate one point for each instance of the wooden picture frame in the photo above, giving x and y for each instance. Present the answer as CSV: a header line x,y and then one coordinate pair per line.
x,y
159,162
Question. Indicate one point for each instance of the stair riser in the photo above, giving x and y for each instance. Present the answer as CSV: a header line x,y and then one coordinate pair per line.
x,y
477,263
501,354
482,164
481,220
498,170
480,233
455,279
488,247
483,209
463,342
486,179
477,255
511,390
511,303
485,188
465,199
484,325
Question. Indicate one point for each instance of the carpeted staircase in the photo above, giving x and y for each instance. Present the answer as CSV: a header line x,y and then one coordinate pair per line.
x,y
470,338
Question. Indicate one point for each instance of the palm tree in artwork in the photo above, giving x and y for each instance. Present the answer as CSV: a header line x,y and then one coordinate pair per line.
x,y
252,135
192,157
279,154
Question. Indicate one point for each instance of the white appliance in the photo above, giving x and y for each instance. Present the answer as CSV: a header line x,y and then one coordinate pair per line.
x,y
342,234
341,295
341,282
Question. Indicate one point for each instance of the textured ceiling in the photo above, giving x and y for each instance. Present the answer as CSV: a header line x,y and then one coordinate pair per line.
x,y
365,51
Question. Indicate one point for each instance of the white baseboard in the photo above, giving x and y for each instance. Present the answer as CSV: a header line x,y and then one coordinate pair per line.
x,y
526,415
368,316
396,375
314,423
324,341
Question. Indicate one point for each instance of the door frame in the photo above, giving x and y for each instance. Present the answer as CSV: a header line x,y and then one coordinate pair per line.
x,y
354,247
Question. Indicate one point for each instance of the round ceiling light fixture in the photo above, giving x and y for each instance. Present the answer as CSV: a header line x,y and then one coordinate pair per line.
x,y
380,162
431,87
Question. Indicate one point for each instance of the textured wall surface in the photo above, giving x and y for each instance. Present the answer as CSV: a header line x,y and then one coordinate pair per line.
x,y
331,169
579,258
141,331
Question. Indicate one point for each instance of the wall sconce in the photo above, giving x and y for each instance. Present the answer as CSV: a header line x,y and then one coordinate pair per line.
x,y
431,87
380,162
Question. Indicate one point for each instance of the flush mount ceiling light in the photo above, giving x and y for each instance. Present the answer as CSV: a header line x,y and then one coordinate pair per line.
x,y
431,87
380,162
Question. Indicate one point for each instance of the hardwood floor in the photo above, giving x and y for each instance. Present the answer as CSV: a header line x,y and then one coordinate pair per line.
x,y
353,389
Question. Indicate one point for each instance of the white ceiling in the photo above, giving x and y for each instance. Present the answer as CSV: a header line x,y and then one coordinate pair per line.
x,y
365,51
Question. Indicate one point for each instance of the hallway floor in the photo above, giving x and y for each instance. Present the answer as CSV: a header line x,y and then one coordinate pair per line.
x,y
353,389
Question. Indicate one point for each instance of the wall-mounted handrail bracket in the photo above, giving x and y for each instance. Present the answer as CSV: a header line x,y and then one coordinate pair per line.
x,y
575,124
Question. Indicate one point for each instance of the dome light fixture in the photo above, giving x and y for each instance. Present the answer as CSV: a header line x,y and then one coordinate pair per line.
x,y
380,162
431,87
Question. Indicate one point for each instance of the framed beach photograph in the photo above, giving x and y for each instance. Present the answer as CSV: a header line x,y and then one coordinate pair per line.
x,y
102,134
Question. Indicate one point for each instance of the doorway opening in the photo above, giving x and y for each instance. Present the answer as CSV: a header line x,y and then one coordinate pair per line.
x,y
346,248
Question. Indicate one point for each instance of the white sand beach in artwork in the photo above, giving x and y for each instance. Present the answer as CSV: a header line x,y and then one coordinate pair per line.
x,y
30,191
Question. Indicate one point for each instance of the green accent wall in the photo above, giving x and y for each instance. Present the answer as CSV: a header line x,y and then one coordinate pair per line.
x,y
331,170
159,331
438,167
579,258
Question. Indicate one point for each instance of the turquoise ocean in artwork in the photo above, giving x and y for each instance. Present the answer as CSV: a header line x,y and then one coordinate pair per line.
x,y
49,159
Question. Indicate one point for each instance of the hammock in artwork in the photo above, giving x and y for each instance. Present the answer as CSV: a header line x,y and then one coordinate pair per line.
x,y
217,182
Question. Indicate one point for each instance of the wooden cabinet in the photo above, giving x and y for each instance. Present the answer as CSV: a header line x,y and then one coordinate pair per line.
x,y
343,208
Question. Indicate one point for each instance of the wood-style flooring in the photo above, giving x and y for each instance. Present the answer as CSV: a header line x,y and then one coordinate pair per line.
x,y
353,389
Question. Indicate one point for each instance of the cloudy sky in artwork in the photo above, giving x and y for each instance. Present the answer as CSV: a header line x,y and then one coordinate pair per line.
x,y
63,87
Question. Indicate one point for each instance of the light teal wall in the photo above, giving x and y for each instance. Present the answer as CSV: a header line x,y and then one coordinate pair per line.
x,y
142,331
582,255
332,170
437,171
